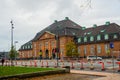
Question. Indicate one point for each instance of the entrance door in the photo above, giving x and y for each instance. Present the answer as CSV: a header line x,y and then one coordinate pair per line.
x,y
47,54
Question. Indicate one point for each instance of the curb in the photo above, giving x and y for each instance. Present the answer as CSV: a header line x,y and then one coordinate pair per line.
x,y
35,74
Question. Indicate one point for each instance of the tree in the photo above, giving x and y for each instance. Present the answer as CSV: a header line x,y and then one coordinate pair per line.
x,y
13,53
71,49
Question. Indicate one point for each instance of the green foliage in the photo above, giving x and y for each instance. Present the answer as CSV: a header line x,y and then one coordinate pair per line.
x,y
13,53
71,49
11,70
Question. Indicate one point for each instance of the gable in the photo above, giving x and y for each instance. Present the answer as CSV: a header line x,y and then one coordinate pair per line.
x,y
46,35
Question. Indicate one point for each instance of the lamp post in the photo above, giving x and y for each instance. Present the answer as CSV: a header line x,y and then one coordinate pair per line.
x,y
57,44
15,47
11,39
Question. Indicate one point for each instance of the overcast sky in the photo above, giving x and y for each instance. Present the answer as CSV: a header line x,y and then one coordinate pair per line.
x,y
31,16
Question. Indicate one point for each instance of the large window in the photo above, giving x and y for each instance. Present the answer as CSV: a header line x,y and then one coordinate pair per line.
x,y
79,40
85,50
91,38
98,37
79,50
85,39
106,36
98,49
28,46
46,44
41,45
92,51
107,50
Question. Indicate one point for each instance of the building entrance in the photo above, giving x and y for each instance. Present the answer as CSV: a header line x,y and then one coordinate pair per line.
x,y
47,54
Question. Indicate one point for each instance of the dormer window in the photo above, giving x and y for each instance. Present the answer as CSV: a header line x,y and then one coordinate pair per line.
x,y
106,36
79,40
115,36
85,39
102,31
99,37
91,38
73,33
89,33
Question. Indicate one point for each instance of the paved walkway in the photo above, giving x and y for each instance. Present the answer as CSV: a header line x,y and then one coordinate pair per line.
x,y
108,76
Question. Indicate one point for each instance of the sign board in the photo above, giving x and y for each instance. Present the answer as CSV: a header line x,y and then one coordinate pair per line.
x,y
111,45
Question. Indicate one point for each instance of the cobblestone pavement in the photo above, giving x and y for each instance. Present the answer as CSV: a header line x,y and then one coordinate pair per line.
x,y
64,77
107,76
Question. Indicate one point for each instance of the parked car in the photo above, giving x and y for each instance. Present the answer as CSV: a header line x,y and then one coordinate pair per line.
x,y
93,58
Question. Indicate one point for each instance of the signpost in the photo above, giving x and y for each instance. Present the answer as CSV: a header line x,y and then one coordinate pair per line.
x,y
112,46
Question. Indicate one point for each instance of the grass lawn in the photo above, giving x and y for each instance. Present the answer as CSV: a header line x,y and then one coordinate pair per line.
x,y
11,70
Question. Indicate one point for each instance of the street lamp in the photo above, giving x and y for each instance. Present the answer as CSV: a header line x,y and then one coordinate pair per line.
x,y
57,49
11,38
15,47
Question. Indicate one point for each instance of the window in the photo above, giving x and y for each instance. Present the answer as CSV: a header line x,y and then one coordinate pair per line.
x,y
85,39
102,31
79,50
91,38
35,45
107,50
53,43
31,45
79,40
73,33
28,46
89,33
92,51
115,36
99,37
98,49
23,47
85,49
46,44
106,36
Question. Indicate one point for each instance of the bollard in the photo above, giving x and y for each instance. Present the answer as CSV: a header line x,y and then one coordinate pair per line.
x,y
109,62
119,66
16,62
55,65
62,64
21,63
47,64
103,68
25,64
72,65
35,63
30,63
41,63
91,65
5,63
81,67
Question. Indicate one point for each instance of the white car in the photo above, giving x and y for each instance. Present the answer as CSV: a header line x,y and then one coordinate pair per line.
x,y
93,58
